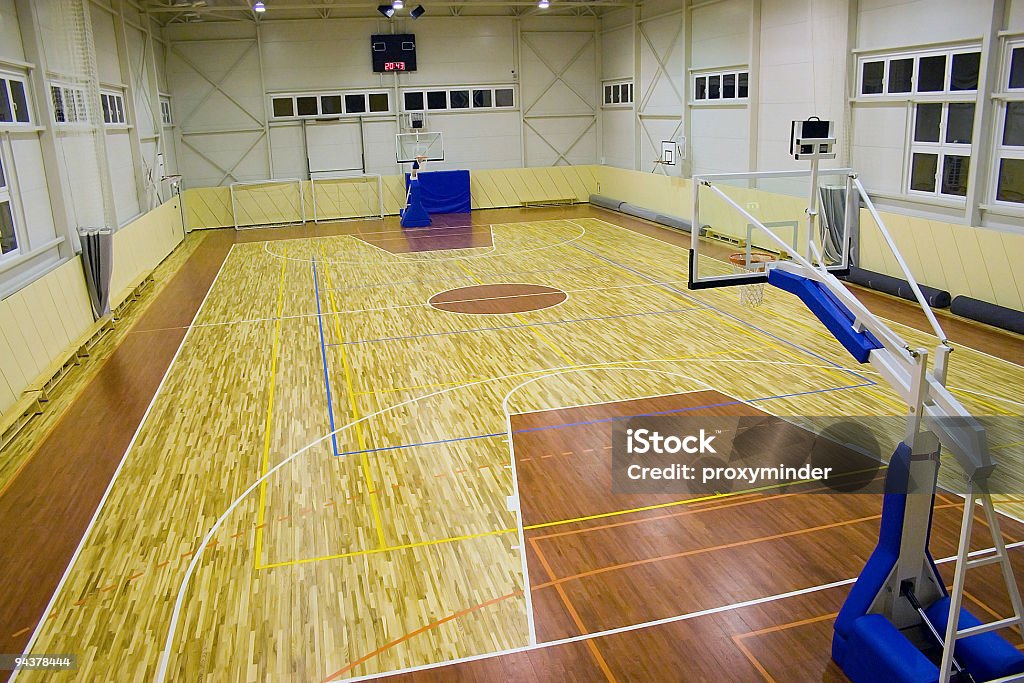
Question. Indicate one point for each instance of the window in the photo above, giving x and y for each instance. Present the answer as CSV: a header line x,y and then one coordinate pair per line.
x,y
68,104
940,153
165,111
725,85
1009,172
458,98
331,104
8,236
482,99
414,101
932,72
113,108
618,93
13,100
437,99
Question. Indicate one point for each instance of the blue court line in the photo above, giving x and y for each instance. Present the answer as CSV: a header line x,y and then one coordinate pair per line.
x,y
723,313
598,421
323,356
514,327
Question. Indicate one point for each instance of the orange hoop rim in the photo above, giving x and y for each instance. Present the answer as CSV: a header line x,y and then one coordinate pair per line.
x,y
756,258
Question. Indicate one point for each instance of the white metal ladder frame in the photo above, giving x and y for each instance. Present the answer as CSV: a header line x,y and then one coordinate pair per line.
x,y
956,596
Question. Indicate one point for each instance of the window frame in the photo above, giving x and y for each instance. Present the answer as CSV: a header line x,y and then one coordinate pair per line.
x,y
69,93
448,90
617,93
917,55
317,96
166,111
719,74
941,148
1005,96
120,117
7,197
6,77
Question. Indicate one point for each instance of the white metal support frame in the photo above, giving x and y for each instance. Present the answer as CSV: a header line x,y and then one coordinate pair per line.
x,y
365,176
934,414
271,181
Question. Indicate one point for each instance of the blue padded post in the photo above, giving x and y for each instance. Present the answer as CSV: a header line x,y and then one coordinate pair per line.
x,y
415,216
836,317
987,656
884,654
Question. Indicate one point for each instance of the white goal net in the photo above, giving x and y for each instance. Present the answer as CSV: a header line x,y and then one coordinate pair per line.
x,y
341,197
267,203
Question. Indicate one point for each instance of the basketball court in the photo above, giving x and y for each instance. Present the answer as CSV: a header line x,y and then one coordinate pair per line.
x,y
368,407
355,467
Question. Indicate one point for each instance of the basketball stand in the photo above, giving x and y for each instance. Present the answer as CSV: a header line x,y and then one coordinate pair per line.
x,y
899,622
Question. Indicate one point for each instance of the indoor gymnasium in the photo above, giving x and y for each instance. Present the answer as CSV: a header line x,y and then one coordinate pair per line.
x,y
512,340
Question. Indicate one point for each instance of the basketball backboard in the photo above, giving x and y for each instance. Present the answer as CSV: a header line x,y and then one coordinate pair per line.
x,y
409,146
765,213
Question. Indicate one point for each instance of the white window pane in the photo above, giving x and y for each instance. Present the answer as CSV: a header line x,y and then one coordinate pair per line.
x,y
379,102
960,123
901,72
871,79
3,177
437,99
6,111
503,97
922,172
1011,181
954,174
1017,68
700,91
307,106
964,75
714,87
1013,130
928,122
355,104
8,240
741,88
283,106
931,74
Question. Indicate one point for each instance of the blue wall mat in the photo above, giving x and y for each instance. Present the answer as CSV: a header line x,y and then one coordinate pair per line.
x,y
444,191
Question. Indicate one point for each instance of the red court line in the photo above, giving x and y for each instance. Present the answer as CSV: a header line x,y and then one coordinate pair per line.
x,y
422,629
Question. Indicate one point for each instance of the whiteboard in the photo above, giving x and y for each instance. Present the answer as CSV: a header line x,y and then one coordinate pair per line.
x,y
334,147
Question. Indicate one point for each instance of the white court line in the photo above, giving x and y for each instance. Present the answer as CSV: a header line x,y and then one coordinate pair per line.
x,y
117,472
643,625
567,293
527,593
204,543
583,232
893,322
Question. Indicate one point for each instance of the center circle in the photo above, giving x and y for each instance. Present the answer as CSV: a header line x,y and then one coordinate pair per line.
x,y
499,298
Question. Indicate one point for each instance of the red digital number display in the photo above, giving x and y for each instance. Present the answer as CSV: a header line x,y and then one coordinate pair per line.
x,y
394,66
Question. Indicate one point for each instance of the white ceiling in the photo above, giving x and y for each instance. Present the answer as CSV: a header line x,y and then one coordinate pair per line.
x,y
175,11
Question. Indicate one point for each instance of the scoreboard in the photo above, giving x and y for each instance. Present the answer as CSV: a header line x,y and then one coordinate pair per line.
x,y
393,52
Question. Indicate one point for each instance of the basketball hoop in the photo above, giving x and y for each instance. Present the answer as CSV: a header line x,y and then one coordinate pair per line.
x,y
754,262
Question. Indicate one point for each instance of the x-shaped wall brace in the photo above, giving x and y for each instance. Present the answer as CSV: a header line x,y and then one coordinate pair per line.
x,y
216,84
662,63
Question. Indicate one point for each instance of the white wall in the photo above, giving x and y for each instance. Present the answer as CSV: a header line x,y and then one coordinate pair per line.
x,y
222,132
60,171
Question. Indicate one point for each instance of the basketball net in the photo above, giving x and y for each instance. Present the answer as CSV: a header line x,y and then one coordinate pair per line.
x,y
751,295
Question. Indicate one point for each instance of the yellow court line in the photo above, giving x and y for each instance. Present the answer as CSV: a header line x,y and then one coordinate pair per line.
x,y
356,416
530,327
270,413
545,525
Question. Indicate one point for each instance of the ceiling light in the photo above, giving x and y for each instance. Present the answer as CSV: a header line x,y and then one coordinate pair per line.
x,y
543,4
398,4
259,7
417,12
387,10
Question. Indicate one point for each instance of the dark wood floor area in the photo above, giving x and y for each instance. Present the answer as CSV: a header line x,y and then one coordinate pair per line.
x,y
707,561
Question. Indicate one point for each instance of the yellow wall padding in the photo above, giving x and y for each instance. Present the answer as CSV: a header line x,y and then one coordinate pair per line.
x,y
41,321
